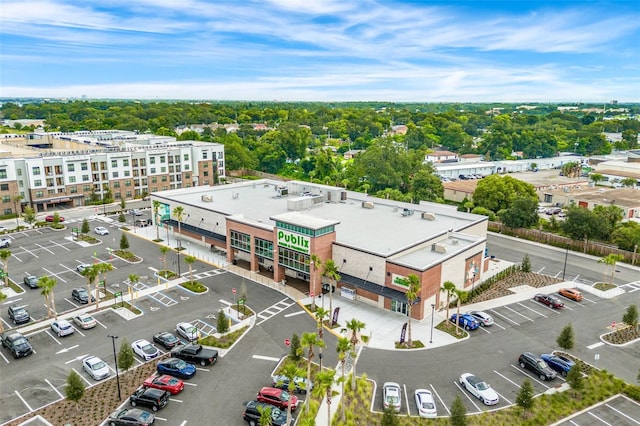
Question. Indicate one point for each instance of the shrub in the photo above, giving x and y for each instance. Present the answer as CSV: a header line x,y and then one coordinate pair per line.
x,y
75,387
524,399
566,338
295,347
222,322
124,242
194,286
125,356
458,412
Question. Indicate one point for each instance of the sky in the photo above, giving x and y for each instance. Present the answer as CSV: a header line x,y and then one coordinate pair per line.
x,y
322,50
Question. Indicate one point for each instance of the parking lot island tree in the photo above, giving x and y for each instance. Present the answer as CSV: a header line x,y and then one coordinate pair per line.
x,y
163,251
189,260
449,288
412,282
156,209
525,266
323,388
103,268
574,378
524,399
343,348
566,338
610,262
630,318
222,322
85,226
5,255
308,341
296,348
47,284
133,279
290,371
126,357
330,271
355,326
91,274
458,412
4,296
320,314
74,391
461,295
178,213
316,263
389,417
124,242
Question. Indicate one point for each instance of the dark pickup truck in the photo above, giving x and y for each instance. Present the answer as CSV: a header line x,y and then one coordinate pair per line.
x,y
17,344
195,354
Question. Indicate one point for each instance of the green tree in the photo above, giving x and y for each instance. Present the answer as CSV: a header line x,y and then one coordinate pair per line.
x,y
627,236
581,223
17,199
343,348
629,182
355,327
498,192
123,203
574,378
330,271
521,214
316,263
526,264
265,415
156,209
85,226
389,417
309,340
178,213
126,357
222,322
461,295
321,314
630,318
566,338
458,412
3,297
290,371
525,399
448,287
610,261
103,268
323,387
243,291
74,391
412,283
296,349
28,215
189,260
596,178
122,218
91,274
5,255
47,284
124,242
426,186
163,251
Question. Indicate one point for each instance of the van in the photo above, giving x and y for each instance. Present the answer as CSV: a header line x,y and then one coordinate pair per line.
x,y
150,397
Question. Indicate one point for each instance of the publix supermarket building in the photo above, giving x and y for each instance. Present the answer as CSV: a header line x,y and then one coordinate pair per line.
x,y
275,228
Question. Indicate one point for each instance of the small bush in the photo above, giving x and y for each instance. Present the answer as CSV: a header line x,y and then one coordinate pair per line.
x,y
194,286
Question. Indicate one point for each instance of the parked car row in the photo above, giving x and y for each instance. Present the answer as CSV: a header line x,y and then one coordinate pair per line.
x,y
276,399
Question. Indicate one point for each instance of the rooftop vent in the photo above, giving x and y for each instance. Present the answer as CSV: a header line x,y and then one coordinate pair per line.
x,y
455,241
428,216
367,205
407,212
207,198
438,248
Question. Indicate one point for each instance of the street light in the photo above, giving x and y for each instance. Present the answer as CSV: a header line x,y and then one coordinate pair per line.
x,y
115,359
433,307
178,250
133,220
564,268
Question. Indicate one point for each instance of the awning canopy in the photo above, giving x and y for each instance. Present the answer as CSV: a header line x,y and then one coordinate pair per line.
x,y
387,292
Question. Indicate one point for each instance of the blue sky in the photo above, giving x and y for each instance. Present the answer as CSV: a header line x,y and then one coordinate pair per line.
x,y
322,50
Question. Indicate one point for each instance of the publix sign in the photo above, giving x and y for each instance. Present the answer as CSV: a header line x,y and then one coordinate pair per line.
x,y
293,241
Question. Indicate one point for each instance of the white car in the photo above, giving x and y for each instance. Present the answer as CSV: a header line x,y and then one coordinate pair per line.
x,y
85,321
391,397
478,388
188,331
136,212
101,230
5,242
425,403
96,368
62,327
483,318
80,268
145,350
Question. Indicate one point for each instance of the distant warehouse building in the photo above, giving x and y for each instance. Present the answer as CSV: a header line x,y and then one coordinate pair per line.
x,y
276,227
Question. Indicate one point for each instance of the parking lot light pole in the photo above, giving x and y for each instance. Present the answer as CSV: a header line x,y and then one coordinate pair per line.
x,y
178,248
115,359
433,307
564,268
133,220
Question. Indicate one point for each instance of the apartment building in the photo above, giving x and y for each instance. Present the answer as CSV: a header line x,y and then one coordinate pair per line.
x,y
82,168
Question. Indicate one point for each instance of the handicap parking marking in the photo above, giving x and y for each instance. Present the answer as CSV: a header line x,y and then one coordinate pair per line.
x,y
518,313
439,399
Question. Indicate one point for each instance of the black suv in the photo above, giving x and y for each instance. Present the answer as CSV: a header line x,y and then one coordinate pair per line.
x,y
31,281
150,397
537,365
81,295
17,344
19,315
252,413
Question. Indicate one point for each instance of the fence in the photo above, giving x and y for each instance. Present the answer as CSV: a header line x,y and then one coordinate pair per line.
x,y
591,247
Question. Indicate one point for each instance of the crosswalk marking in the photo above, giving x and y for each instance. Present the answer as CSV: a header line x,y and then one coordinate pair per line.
x,y
274,309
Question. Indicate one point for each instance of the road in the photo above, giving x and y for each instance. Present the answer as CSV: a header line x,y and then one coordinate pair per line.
x,y
551,260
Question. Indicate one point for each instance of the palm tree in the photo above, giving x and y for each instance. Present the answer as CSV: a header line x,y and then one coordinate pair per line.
x,y
91,274
164,250
462,296
448,287
47,284
189,261
309,340
102,268
290,371
321,314
316,263
412,293
265,415
330,271
610,260
324,388
355,326
156,208
5,255
133,279
178,214
343,348
2,298
17,199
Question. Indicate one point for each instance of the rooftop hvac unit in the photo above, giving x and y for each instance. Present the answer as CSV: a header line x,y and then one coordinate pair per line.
x,y
207,198
407,212
428,216
367,205
455,241
439,248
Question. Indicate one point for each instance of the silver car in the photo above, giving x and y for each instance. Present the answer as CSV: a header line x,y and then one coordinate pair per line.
x,y
96,368
483,318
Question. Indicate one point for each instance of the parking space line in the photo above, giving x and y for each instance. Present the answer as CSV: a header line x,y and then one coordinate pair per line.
x,y
498,325
5,358
7,325
103,326
184,422
175,400
65,350
71,302
161,419
54,388
54,339
190,384
44,248
440,399
23,401
55,275
484,329
202,369
467,395
83,378
622,414
601,420
59,245
518,313
27,251
500,395
294,314
508,379
266,358
504,317
529,376
533,310
406,398
573,423
589,300
78,331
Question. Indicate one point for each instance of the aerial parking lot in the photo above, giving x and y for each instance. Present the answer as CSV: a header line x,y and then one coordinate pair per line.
x,y
619,410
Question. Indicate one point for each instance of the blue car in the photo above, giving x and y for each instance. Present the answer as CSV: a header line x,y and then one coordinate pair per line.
x,y
558,363
466,321
177,368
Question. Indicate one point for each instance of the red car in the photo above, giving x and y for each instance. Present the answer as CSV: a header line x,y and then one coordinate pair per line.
x,y
165,382
548,300
278,397
51,218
